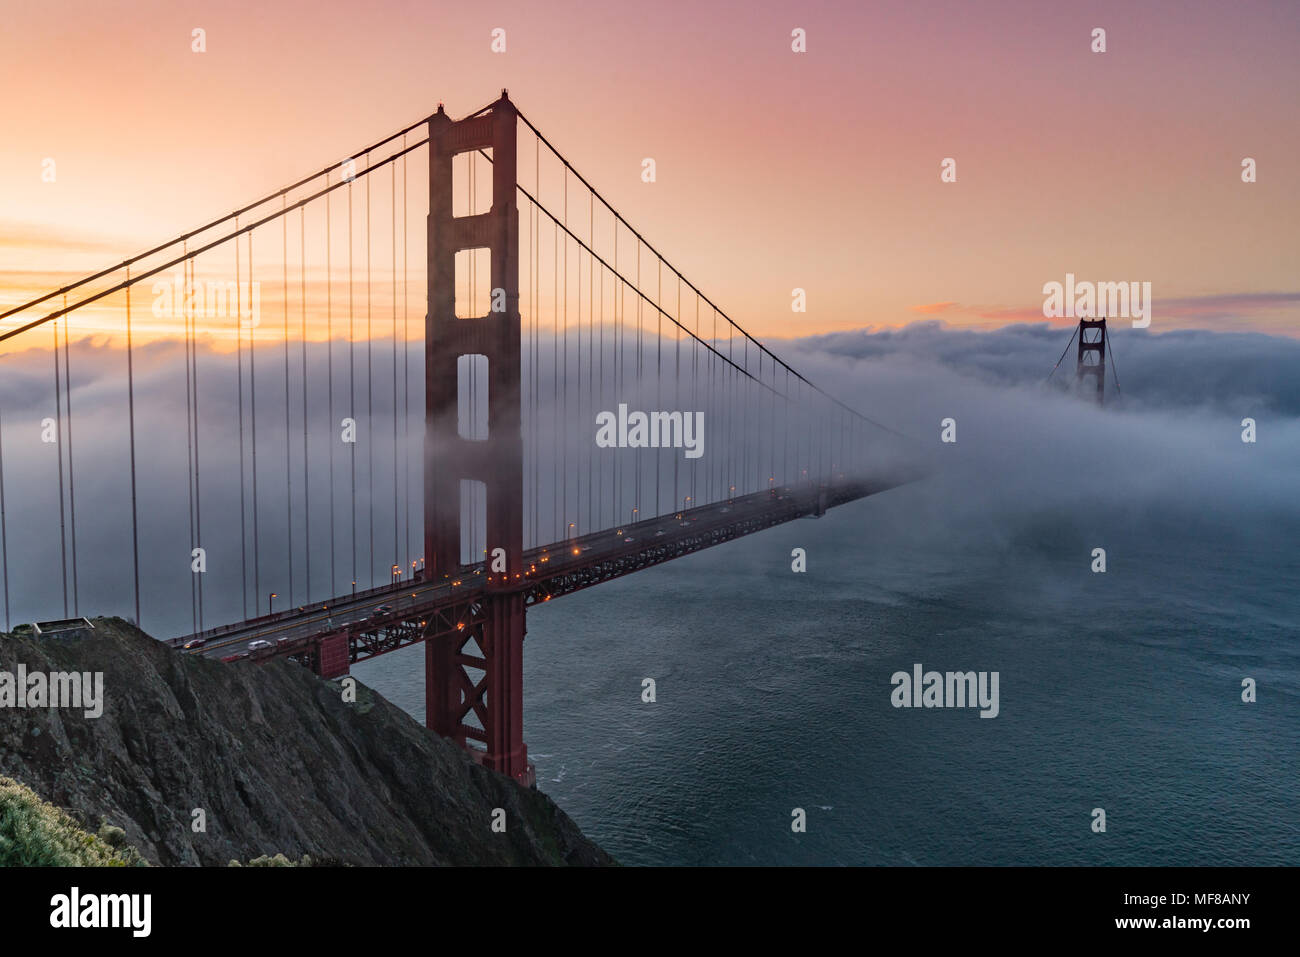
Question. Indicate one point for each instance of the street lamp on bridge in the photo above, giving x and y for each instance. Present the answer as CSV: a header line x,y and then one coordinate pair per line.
x,y
269,603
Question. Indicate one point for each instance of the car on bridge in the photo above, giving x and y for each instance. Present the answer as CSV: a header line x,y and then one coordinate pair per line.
x,y
195,643
259,645
384,610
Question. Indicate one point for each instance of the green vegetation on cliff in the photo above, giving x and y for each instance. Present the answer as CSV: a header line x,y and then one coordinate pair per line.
x,y
34,833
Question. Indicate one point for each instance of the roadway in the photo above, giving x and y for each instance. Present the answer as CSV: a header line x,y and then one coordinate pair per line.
x,y
645,542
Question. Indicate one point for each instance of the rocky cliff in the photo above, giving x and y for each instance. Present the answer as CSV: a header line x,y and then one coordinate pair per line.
x,y
269,757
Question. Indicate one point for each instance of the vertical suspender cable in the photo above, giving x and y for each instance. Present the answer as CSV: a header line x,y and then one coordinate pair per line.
x,y
526,372
723,393
187,314
406,367
843,421
785,428
805,430
198,488
1109,349
636,462
744,423
130,393
397,559
731,404
581,415
677,391
306,477
329,366
471,163
617,291
370,390
239,375
536,277
771,449
832,436
753,382
577,464
713,390
837,443
698,386
591,370
658,382
758,438
810,428
832,428
604,401
72,473
824,458
476,547
4,528
352,389
555,373
252,415
659,375
288,433
769,462
562,432
58,448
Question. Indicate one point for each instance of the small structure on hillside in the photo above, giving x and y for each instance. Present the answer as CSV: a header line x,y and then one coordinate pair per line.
x,y
64,628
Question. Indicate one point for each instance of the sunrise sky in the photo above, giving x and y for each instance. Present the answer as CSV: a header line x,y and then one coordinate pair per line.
x,y
775,170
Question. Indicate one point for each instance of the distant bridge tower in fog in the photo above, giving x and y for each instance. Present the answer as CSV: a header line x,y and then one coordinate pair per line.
x,y
1092,354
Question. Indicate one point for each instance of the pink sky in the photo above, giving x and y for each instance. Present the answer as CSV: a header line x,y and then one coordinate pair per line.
x,y
775,169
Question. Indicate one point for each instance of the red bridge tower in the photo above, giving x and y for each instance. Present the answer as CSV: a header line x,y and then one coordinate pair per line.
x,y
453,459
1092,354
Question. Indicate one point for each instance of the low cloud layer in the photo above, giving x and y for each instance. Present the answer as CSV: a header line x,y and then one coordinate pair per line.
x,y
1169,444
1184,369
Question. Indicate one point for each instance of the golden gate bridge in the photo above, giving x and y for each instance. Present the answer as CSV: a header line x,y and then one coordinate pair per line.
x,y
392,482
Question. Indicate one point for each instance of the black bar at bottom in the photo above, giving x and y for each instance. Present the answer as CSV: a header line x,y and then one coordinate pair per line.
x,y
927,906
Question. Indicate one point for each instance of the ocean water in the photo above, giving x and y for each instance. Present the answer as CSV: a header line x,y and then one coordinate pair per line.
x,y
1120,690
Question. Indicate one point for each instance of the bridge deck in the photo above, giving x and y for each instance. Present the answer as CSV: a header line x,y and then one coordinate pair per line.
x,y
549,572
